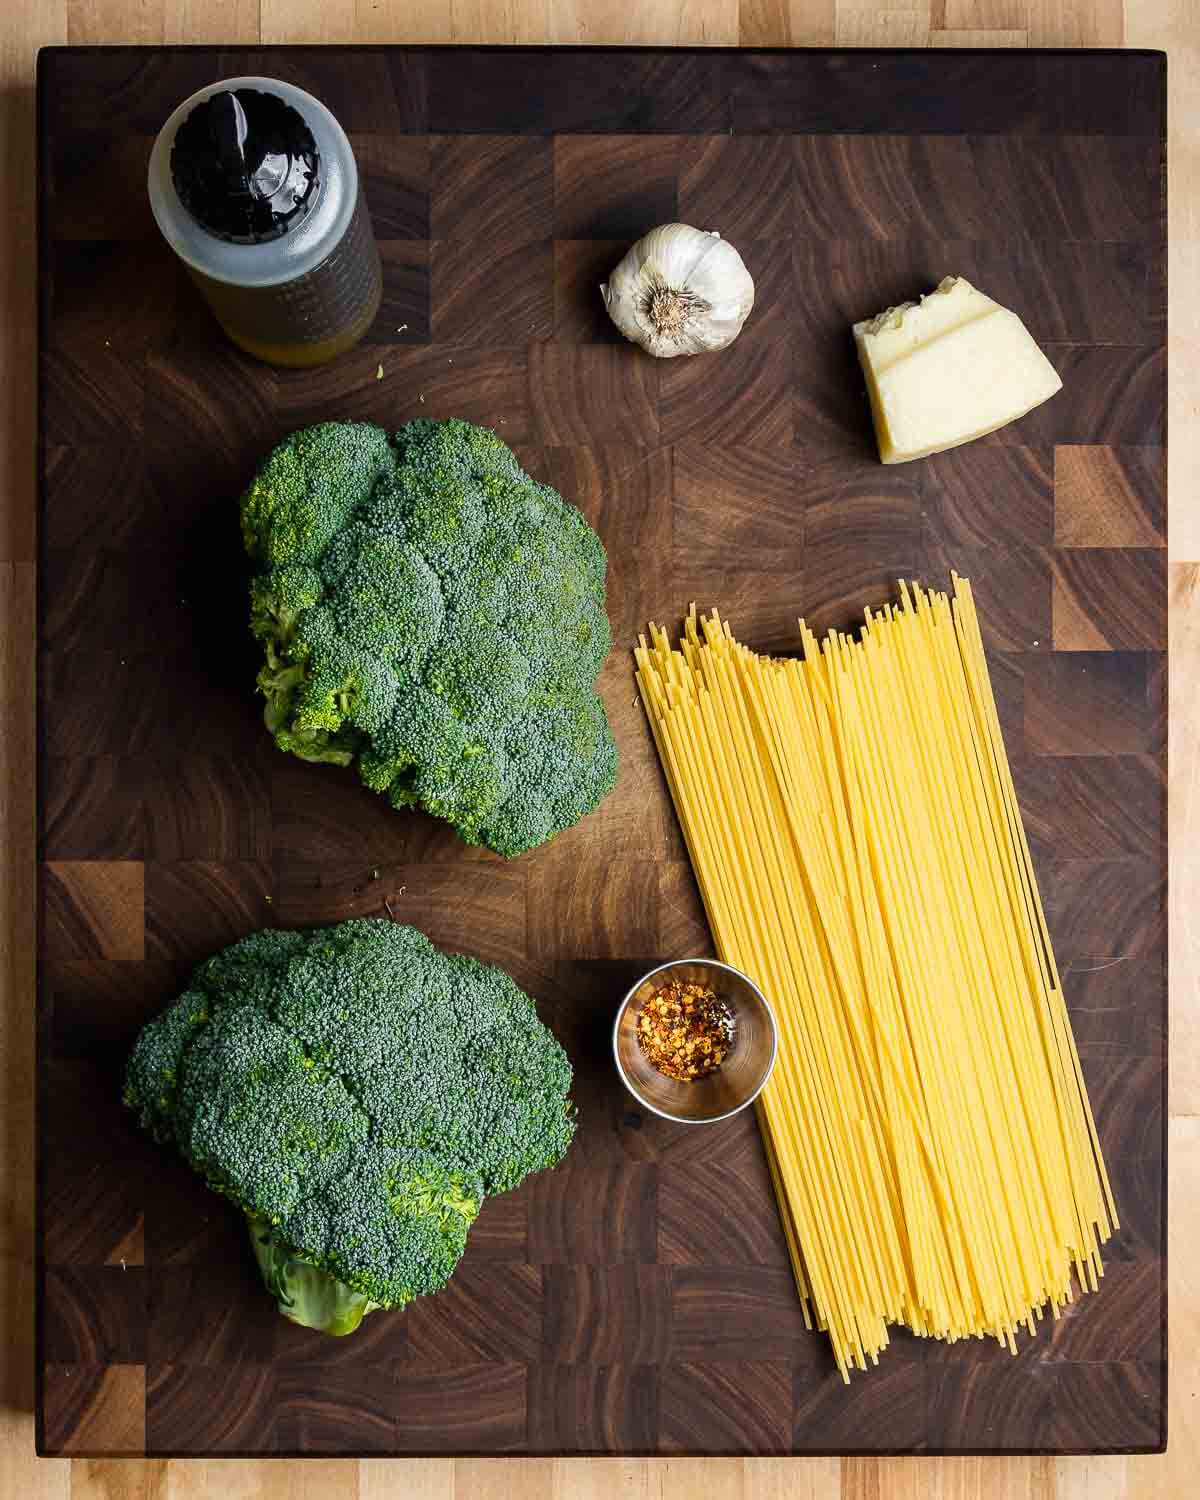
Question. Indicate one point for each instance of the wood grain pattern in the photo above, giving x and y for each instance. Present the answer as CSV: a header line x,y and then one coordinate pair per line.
x,y
1132,583
93,909
1089,702
637,1300
1109,497
96,1409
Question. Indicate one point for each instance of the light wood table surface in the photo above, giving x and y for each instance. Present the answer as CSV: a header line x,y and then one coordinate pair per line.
x,y
1173,25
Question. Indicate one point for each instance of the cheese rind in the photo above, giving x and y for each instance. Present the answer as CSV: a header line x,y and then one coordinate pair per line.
x,y
948,369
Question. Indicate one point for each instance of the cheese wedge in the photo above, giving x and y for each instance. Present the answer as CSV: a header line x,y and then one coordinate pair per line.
x,y
948,369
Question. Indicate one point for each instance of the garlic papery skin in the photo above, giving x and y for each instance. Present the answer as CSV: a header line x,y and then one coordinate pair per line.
x,y
680,290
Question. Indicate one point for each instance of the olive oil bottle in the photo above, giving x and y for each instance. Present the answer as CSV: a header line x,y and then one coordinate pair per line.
x,y
254,186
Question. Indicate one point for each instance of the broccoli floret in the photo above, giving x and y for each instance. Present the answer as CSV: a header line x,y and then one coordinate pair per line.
x,y
356,1092
433,615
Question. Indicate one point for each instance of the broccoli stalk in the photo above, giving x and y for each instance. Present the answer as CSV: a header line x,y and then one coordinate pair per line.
x,y
304,1292
430,613
283,679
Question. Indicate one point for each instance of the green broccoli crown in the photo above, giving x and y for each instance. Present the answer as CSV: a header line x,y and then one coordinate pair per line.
x,y
430,612
357,1092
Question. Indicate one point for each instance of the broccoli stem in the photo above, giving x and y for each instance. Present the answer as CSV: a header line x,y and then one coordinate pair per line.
x,y
303,1292
280,681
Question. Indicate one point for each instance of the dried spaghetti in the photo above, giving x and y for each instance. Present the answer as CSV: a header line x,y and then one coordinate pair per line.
x,y
854,830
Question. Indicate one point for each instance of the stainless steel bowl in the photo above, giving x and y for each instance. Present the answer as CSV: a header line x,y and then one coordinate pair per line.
x,y
739,1079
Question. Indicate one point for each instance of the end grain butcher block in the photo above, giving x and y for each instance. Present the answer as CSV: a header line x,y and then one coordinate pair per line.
x,y
638,1300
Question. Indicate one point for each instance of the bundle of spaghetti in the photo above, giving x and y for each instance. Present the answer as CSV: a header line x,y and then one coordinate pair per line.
x,y
854,831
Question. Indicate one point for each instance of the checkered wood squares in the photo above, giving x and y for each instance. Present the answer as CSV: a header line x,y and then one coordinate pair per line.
x,y
637,1300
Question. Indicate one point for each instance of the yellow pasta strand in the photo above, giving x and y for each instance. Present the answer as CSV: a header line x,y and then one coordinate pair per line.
x,y
854,830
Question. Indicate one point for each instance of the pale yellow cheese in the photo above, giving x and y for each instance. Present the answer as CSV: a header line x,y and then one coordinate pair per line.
x,y
948,369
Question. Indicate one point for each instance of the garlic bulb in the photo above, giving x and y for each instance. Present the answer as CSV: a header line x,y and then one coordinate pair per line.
x,y
680,290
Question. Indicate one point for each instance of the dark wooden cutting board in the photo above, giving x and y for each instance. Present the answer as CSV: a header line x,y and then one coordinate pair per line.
x,y
638,1300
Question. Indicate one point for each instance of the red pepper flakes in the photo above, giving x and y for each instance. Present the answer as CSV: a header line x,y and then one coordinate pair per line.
x,y
685,1029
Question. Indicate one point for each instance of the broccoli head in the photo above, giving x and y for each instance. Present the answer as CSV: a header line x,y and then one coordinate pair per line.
x,y
356,1092
431,614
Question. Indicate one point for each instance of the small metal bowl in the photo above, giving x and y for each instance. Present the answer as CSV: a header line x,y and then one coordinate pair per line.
x,y
740,1078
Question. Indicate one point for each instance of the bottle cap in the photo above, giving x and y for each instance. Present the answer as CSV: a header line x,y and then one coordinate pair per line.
x,y
245,166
